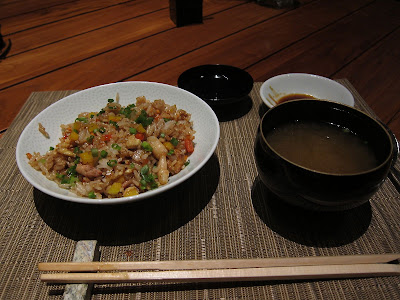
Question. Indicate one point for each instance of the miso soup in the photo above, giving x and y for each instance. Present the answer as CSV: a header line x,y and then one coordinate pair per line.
x,y
322,147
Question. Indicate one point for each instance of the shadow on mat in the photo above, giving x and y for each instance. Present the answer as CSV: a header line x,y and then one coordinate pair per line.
x,y
133,222
310,228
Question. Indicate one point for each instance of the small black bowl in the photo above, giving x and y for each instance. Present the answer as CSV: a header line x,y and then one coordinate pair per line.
x,y
316,190
217,84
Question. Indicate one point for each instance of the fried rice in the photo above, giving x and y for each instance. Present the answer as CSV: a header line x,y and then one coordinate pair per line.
x,y
119,151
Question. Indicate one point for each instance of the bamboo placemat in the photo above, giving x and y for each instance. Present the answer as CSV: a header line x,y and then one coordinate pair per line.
x,y
221,212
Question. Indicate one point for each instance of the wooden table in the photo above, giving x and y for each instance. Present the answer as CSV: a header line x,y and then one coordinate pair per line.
x,y
70,45
222,212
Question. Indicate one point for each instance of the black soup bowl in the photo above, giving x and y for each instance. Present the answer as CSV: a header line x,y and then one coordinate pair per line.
x,y
313,189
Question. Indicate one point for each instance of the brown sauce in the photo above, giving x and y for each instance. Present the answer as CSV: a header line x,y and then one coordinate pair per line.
x,y
322,147
294,97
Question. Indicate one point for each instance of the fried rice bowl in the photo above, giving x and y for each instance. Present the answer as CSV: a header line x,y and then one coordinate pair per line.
x,y
117,143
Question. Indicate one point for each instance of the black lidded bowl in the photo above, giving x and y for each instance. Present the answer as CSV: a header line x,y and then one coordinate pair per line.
x,y
217,84
316,190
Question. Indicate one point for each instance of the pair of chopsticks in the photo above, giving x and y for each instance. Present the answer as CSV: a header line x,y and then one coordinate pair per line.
x,y
322,267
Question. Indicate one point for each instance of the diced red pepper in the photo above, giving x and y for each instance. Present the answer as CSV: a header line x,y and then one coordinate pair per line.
x,y
106,137
189,145
140,136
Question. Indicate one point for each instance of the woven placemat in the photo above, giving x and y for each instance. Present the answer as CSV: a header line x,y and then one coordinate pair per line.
x,y
221,212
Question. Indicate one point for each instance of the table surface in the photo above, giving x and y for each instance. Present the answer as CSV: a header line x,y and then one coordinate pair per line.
x,y
222,212
74,45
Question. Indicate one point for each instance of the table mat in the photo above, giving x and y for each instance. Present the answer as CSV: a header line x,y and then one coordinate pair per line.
x,y
221,212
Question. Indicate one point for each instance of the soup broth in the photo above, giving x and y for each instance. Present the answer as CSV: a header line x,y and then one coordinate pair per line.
x,y
294,97
322,147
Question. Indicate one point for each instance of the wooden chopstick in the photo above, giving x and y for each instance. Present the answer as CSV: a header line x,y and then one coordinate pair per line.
x,y
228,275
218,264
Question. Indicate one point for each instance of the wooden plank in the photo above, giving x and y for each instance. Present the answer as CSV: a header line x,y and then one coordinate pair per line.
x,y
80,47
134,58
83,23
376,76
266,54
330,47
16,8
53,14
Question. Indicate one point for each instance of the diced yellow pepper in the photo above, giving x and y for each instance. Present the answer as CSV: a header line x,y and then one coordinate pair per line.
x,y
74,136
92,127
114,118
131,191
114,188
76,126
169,146
86,157
140,128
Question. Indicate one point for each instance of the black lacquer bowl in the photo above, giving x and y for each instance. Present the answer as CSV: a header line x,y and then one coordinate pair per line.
x,y
316,190
217,84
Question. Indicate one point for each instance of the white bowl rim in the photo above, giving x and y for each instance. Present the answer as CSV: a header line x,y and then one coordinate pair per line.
x,y
334,83
22,162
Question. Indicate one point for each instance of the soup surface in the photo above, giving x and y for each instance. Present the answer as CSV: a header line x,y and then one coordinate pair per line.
x,y
322,147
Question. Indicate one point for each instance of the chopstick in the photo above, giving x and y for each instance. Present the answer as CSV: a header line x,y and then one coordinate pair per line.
x,y
321,267
227,275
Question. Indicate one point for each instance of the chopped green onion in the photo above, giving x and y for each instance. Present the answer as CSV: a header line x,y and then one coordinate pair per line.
x,y
162,135
84,120
102,111
73,179
187,163
144,170
90,139
112,163
75,130
95,130
116,146
71,170
91,116
103,153
51,148
166,120
92,195
114,123
77,150
127,111
148,180
170,152
102,130
110,100
174,142
144,119
146,146
64,180
95,152
132,130
68,180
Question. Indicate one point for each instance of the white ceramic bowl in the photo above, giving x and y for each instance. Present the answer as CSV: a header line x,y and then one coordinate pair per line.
x,y
300,83
65,111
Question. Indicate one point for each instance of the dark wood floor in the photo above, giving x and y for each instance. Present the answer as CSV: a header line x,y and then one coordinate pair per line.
x,y
76,44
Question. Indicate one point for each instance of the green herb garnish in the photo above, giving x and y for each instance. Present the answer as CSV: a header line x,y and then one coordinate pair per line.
x,y
144,119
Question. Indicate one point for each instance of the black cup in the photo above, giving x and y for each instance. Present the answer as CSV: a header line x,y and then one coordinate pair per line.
x,y
312,189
